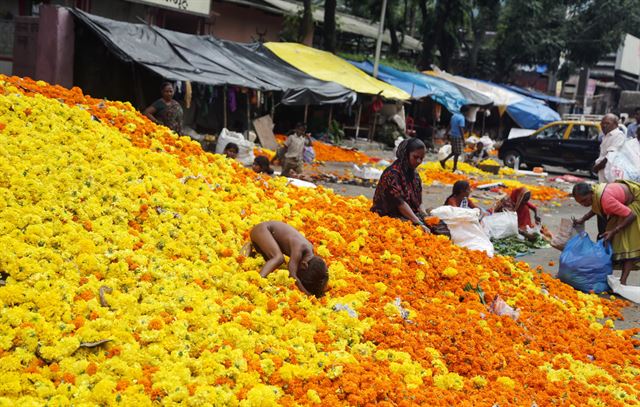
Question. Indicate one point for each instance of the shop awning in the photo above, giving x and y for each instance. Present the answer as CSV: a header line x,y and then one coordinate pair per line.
x,y
207,60
326,66
528,113
448,94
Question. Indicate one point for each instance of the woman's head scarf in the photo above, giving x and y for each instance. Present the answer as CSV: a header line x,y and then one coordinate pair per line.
x,y
404,149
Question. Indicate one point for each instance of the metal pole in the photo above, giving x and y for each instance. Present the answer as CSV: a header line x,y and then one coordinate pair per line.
x,y
358,120
376,61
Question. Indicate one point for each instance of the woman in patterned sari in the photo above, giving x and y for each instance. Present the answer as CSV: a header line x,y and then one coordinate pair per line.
x,y
399,191
166,110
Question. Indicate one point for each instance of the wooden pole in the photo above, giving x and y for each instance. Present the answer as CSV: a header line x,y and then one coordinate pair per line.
x,y
330,116
359,115
306,113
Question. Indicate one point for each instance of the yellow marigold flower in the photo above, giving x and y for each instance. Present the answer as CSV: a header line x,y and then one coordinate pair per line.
x,y
450,272
449,381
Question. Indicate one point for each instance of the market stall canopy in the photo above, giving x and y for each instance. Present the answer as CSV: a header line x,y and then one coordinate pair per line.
x,y
328,67
538,95
416,91
448,94
528,113
207,60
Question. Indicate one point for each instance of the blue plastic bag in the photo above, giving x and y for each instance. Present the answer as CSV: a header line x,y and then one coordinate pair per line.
x,y
585,265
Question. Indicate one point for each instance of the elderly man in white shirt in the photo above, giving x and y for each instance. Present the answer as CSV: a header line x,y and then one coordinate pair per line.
x,y
613,140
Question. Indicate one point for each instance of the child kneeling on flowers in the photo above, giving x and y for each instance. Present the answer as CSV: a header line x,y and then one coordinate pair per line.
x,y
273,240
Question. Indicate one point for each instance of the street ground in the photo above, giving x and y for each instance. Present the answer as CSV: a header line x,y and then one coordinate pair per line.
x,y
551,213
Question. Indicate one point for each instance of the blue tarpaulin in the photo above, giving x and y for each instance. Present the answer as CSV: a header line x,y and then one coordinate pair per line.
x,y
416,91
531,114
448,94
538,95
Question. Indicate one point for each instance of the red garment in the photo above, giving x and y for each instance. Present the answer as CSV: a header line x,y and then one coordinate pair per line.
x,y
523,210
613,201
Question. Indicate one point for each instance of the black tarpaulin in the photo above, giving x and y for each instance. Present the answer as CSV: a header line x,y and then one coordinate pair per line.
x,y
207,60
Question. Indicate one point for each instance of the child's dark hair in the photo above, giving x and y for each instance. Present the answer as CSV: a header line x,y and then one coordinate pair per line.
x,y
232,147
315,278
263,162
458,188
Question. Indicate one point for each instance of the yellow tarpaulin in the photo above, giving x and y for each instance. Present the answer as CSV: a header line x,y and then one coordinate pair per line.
x,y
326,66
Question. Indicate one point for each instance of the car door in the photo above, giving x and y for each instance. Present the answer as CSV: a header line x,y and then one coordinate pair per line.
x,y
581,147
544,145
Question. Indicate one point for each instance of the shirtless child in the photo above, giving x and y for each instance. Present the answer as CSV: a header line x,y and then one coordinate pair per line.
x,y
273,240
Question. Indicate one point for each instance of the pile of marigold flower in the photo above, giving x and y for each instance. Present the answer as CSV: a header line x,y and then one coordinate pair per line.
x,y
432,171
125,284
329,152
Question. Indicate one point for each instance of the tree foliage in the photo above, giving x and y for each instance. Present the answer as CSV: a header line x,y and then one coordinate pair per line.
x,y
491,38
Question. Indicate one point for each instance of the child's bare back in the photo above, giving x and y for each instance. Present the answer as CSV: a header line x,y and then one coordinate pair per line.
x,y
274,240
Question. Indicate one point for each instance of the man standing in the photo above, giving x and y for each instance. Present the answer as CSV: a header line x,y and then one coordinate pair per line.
x,y
456,136
632,130
612,141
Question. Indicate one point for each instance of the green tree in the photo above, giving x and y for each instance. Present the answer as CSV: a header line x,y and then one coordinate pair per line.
x,y
329,26
305,29
443,26
543,31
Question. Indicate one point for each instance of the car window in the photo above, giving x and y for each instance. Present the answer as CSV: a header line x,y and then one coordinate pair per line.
x,y
552,132
579,132
594,132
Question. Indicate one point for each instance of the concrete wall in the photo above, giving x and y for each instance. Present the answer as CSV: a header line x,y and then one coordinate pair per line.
x,y
238,23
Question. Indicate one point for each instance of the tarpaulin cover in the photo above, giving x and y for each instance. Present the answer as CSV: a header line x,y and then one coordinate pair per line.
x,y
538,95
326,66
448,94
207,60
528,113
416,91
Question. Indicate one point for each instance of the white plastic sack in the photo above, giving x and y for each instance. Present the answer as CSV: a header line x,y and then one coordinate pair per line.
x,y
500,225
624,163
444,152
472,140
396,144
245,147
300,183
487,142
367,172
464,225
565,232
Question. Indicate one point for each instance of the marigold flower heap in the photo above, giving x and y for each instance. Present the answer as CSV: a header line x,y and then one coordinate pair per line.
x,y
115,229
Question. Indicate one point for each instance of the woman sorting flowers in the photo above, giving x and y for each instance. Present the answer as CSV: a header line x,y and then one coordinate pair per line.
x,y
399,191
619,203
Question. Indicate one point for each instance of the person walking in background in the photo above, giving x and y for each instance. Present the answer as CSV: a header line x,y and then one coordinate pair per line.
x,y
166,110
456,136
632,129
